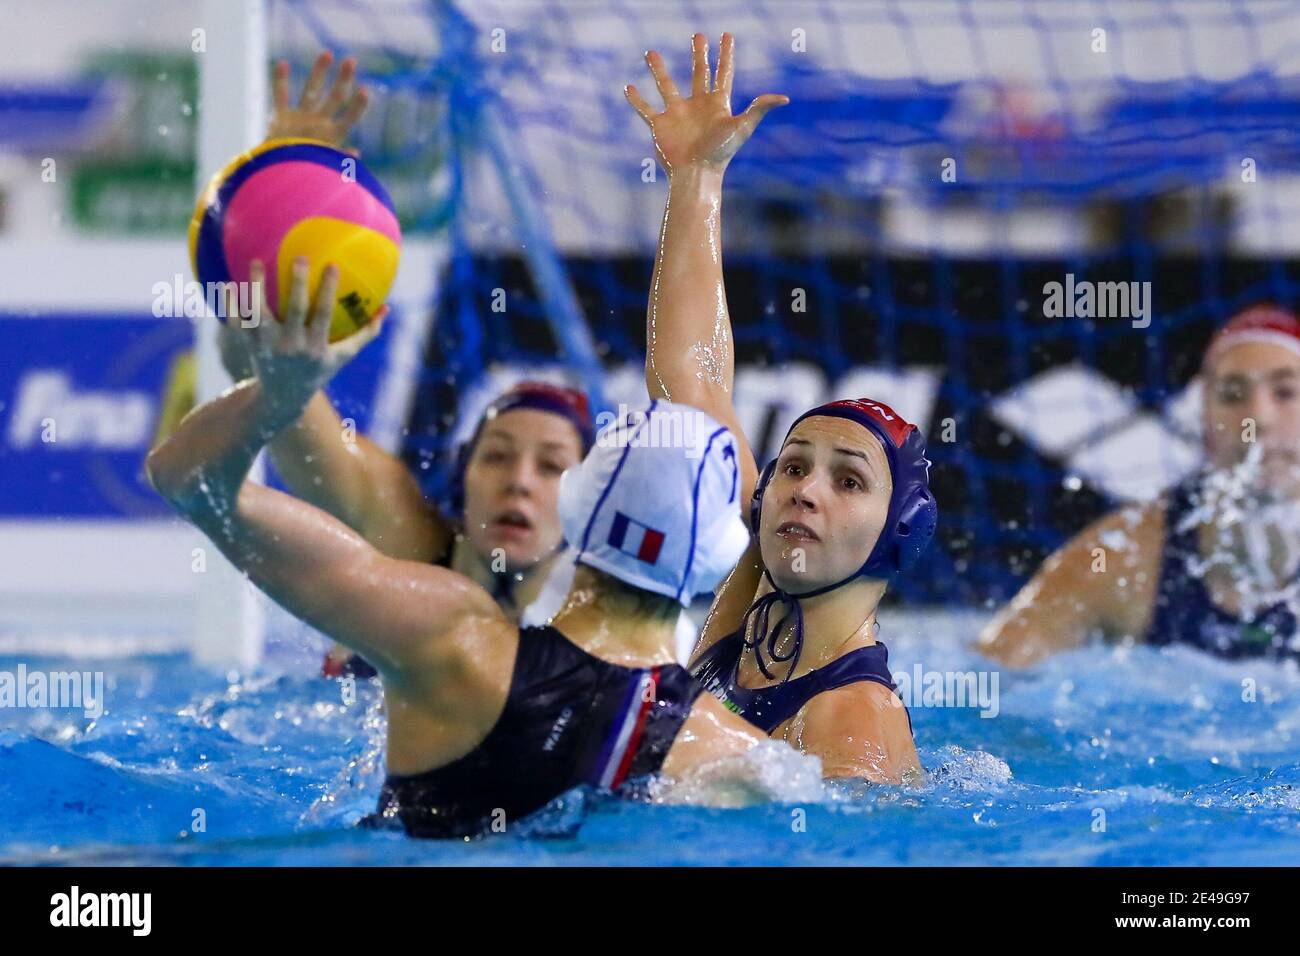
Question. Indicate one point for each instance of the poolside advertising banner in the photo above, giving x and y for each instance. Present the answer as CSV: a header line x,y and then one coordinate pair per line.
x,y
81,400
80,397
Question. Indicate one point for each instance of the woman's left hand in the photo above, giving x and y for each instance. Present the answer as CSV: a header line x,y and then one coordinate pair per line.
x,y
699,129
326,118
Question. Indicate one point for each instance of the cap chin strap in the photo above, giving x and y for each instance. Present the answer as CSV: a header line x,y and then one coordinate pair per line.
x,y
761,609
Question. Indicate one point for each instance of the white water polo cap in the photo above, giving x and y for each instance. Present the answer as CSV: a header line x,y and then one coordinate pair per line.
x,y
656,501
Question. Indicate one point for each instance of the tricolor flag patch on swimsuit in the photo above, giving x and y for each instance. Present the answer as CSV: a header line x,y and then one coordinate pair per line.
x,y
632,537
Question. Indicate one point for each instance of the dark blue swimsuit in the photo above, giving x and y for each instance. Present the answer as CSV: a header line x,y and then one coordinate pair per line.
x,y
1184,613
770,707
570,719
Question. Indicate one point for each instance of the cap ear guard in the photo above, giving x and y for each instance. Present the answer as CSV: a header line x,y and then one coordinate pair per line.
x,y
756,499
917,519
913,537
914,514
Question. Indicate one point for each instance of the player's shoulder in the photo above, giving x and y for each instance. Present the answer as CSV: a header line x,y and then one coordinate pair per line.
x,y
858,730
861,708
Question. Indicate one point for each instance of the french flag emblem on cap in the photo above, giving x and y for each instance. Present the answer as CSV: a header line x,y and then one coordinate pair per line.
x,y
632,537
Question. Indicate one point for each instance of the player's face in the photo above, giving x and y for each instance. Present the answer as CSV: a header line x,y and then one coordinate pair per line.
x,y
512,485
825,505
1260,383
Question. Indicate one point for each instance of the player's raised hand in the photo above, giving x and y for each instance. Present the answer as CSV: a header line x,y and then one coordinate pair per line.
x,y
328,118
699,128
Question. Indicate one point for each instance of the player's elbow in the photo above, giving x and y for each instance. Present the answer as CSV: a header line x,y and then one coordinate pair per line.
x,y
994,643
687,389
163,471
1008,645
179,482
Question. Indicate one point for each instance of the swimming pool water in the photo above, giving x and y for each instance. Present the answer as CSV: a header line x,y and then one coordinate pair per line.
x,y
1105,756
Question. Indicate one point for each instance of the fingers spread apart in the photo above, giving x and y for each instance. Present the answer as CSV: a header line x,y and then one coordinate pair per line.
x,y
311,93
643,109
663,82
295,319
700,67
726,66
319,328
263,328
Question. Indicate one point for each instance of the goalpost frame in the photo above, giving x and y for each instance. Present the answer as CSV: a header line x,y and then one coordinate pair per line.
x,y
230,621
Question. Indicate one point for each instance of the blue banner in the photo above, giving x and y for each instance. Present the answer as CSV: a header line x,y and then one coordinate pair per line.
x,y
81,396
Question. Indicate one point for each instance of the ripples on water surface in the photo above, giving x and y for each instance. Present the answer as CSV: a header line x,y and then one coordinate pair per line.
x,y
1102,756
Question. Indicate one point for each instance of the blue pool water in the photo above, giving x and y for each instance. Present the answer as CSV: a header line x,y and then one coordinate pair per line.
x,y
1103,756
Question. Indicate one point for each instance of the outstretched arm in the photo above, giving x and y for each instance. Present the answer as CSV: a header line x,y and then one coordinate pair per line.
x,y
1101,581
347,475
689,353
308,562
321,461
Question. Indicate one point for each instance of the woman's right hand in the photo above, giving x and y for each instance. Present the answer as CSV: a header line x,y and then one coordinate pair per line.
x,y
293,357
233,347
699,129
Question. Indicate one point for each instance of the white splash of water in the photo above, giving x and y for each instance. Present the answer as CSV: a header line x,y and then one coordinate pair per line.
x,y
770,772
969,771
361,776
1248,526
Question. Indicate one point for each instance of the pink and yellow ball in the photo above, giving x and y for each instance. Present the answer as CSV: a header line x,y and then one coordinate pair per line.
x,y
298,197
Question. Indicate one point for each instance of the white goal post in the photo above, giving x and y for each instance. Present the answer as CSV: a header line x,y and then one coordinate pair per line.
x,y
231,620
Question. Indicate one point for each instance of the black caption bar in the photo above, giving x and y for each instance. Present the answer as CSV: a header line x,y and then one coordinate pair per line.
x,y
317,905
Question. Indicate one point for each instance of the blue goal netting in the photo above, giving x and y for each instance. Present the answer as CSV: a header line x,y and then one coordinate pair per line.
x,y
1016,222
